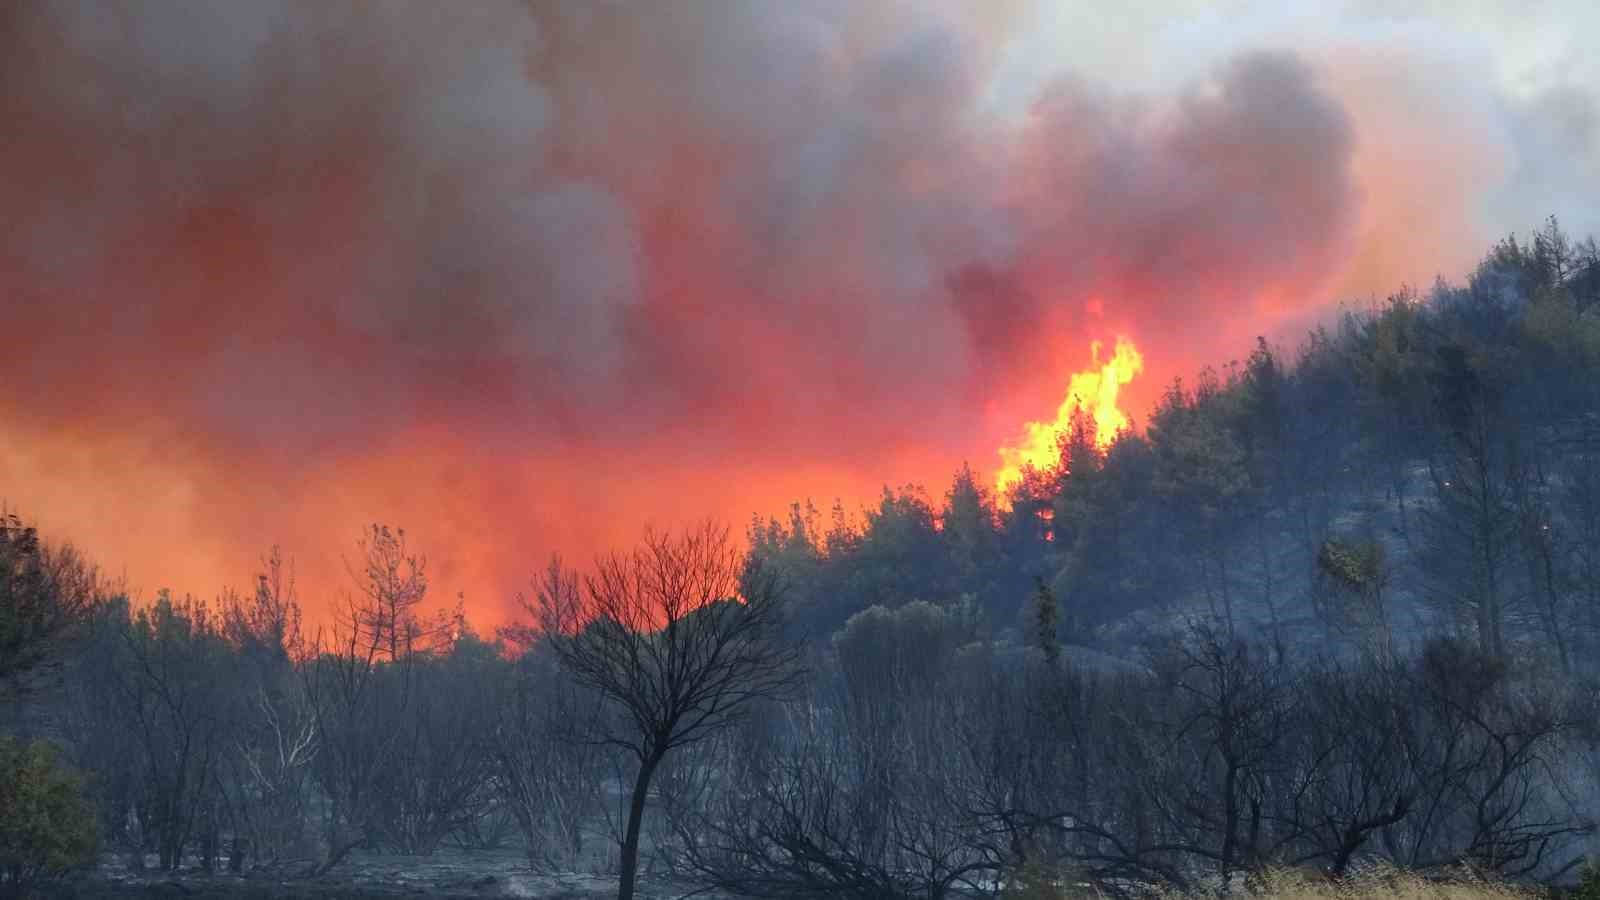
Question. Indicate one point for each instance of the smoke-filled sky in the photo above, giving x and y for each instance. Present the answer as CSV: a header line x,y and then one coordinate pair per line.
x,y
525,277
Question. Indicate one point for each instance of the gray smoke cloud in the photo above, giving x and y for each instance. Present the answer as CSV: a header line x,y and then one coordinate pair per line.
x,y
556,266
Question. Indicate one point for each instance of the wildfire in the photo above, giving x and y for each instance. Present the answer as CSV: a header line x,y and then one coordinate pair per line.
x,y
1094,391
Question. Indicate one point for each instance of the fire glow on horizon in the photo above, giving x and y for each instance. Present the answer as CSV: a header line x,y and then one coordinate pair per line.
x,y
527,277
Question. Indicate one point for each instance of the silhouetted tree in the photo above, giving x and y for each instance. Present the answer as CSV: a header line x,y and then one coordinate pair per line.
x,y
44,595
362,688
548,771
172,686
1471,528
680,636
267,771
1200,470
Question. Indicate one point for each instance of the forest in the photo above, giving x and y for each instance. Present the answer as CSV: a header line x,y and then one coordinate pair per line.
x,y
1324,608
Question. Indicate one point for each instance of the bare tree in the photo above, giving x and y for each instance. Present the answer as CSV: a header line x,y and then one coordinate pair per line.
x,y
172,683
1487,744
362,688
1348,775
821,813
393,583
546,775
680,635
266,776
1471,531
438,775
1225,713
847,799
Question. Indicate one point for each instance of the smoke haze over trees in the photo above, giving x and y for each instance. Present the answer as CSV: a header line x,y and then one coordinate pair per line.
x,y
543,262
1336,606
591,435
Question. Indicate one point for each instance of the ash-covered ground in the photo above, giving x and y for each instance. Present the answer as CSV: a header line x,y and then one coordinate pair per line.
x,y
449,873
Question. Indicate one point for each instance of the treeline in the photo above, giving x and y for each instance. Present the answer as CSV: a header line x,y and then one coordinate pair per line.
x,y
1323,613
910,755
220,735
1428,464
922,764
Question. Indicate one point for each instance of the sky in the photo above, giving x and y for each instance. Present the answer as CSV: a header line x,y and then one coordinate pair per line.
x,y
525,278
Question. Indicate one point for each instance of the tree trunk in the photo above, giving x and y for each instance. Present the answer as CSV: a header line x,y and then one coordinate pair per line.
x,y
208,848
1230,823
336,855
1544,574
630,841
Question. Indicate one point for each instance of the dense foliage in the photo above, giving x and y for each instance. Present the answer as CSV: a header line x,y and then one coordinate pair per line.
x,y
46,828
1423,464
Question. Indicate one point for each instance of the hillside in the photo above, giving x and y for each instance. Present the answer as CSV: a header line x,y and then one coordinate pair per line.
x,y
1451,437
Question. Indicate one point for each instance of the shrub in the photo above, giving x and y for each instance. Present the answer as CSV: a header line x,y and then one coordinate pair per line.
x,y
46,827
1382,883
1034,879
1588,882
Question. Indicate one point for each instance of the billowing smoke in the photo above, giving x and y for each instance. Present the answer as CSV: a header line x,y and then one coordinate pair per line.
x,y
524,277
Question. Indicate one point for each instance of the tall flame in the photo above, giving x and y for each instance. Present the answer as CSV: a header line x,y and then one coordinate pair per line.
x,y
1094,391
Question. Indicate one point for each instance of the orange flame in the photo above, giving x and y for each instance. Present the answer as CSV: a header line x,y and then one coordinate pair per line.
x,y
1093,390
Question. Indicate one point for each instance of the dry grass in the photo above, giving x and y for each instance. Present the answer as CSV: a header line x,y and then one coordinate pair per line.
x,y
1382,885
1377,884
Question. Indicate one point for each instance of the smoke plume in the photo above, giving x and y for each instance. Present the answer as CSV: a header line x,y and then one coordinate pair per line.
x,y
523,277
